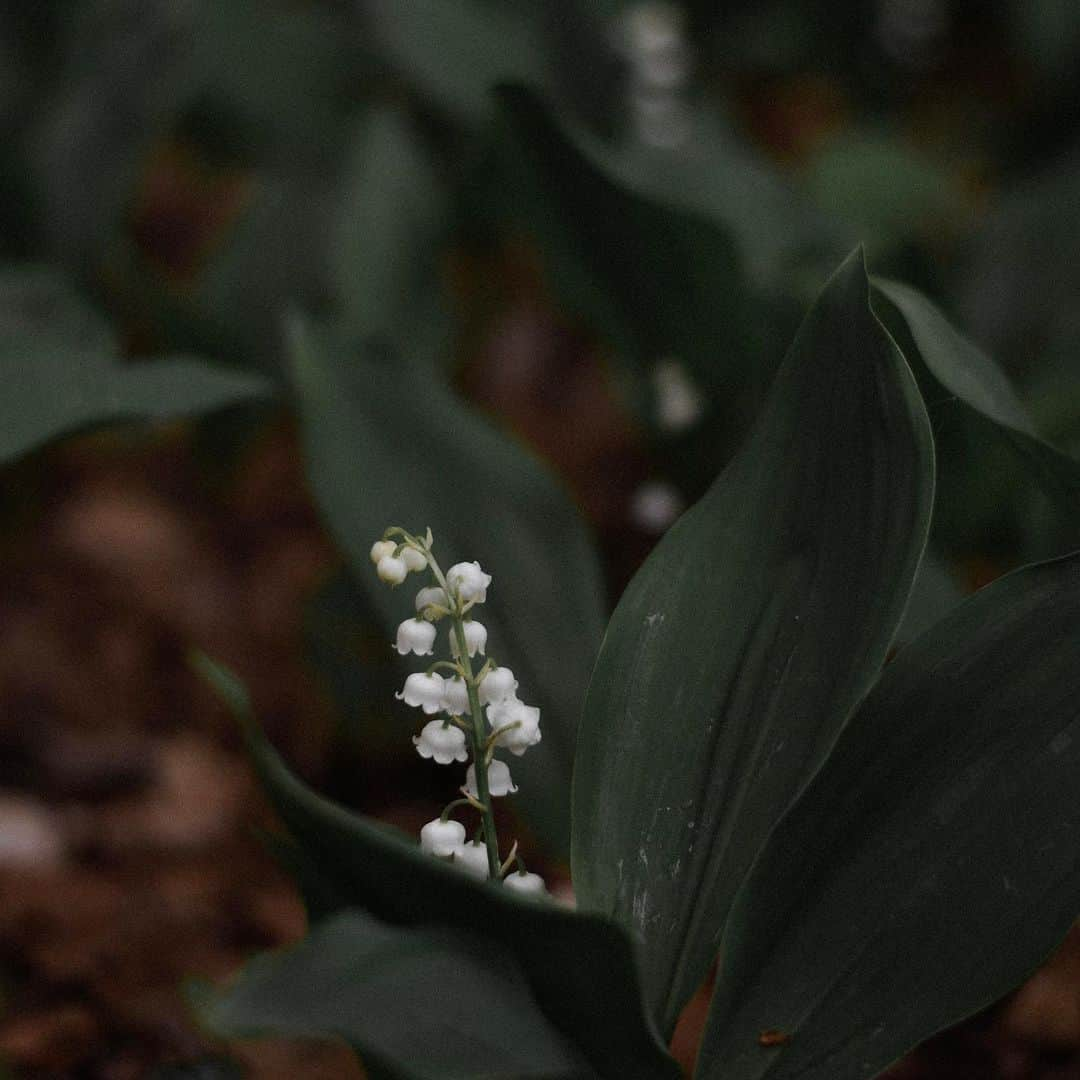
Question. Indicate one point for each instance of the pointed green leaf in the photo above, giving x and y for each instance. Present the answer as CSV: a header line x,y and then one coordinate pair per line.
x,y
580,967
931,864
740,647
656,281
969,373
435,1004
388,444
60,372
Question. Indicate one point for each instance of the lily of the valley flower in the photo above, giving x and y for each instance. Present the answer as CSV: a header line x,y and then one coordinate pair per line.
x,y
416,636
381,549
425,691
475,640
497,685
525,883
442,838
428,599
443,742
473,859
498,777
392,569
455,696
514,725
468,581
413,559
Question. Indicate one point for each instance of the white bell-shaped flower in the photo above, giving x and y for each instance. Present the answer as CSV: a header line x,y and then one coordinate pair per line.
x,y
499,781
468,581
455,696
392,570
515,724
381,549
416,636
473,859
443,743
425,691
475,639
525,883
497,685
442,838
413,559
428,598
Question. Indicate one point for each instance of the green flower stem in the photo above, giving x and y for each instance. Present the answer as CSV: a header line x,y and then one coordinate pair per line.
x,y
477,730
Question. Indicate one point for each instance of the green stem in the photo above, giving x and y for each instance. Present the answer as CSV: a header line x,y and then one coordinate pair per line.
x,y
477,731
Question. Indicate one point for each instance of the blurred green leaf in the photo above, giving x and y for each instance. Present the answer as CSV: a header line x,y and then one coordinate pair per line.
x,y
885,192
383,250
965,370
657,282
931,864
740,647
388,444
454,51
59,368
434,1003
580,968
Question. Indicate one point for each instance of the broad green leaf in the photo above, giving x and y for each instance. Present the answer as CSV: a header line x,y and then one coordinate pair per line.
x,y
440,1005
965,370
656,282
931,864
60,371
388,444
740,647
580,968
383,265
454,51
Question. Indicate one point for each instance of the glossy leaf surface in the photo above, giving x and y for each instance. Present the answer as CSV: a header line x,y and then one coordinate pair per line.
x,y
965,370
931,864
580,967
742,644
431,1004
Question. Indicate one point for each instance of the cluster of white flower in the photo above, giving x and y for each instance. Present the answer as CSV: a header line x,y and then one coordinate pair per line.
x,y
475,712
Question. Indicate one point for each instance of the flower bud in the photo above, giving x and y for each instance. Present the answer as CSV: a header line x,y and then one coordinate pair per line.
x,y
426,598
392,570
473,859
413,559
443,743
426,691
525,883
515,724
468,581
499,782
443,838
475,640
497,685
417,636
455,696
381,549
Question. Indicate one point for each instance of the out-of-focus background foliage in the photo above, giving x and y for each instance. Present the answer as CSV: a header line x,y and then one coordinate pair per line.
x,y
599,223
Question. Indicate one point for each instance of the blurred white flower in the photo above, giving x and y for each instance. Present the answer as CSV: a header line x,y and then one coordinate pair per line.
x,y
416,636
425,691
521,881
497,685
444,743
443,838
475,639
455,696
472,858
468,581
392,570
515,725
499,782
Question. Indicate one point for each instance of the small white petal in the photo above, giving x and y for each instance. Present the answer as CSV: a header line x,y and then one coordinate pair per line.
x,y
392,570
525,883
499,780
380,549
472,858
443,838
455,696
413,559
416,636
444,744
497,685
475,639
